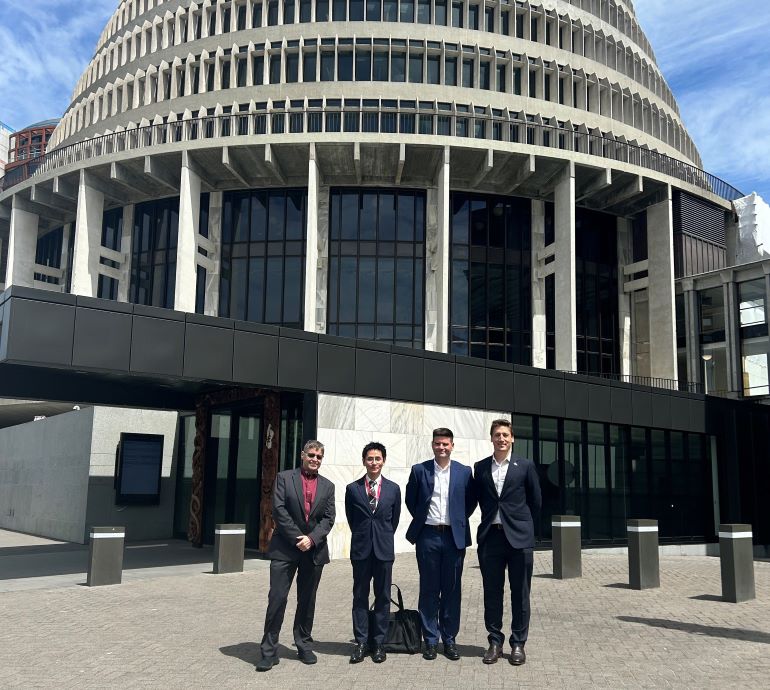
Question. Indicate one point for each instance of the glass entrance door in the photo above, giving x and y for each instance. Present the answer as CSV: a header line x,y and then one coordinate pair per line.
x,y
232,473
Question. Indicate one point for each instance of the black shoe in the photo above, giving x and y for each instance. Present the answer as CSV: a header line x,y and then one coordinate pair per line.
x,y
308,657
450,651
518,657
359,653
267,662
378,654
430,652
492,654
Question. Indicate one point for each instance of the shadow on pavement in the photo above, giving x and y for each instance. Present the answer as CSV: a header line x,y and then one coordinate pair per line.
x,y
708,597
618,585
249,652
17,562
698,629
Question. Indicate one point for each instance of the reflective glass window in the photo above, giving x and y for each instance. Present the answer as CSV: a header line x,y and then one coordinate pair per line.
x,y
376,265
263,249
153,253
490,285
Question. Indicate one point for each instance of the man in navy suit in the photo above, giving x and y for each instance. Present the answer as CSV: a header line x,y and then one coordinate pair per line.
x,y
508,492
440,497
373,507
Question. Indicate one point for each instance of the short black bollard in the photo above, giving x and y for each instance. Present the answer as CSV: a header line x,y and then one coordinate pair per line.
x,y
105,556
643,558
565,530
736,560
229,542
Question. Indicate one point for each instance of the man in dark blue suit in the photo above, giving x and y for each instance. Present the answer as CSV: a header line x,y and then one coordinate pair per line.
x,y
440,497
373,507
508,492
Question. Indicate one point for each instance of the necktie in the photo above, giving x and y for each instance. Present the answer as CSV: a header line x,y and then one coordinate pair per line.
x,y
372,494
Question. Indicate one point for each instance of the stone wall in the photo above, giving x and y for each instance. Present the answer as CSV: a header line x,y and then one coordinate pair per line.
x,y
346,424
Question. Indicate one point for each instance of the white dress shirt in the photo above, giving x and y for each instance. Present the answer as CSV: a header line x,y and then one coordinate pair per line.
x,y
438,511
499,473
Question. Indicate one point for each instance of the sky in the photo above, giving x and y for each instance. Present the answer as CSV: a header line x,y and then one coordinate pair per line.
x,y
715,55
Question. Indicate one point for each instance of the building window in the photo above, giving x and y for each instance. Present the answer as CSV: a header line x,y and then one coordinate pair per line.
x,y
377,265
596,276
490,255
263,250
752,296
153,249
712,315
48,253
754,337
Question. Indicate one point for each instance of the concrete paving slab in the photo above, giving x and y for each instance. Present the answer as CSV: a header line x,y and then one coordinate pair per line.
x,y
191,629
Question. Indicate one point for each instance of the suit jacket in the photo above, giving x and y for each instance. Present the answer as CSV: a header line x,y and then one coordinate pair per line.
x,y
372,531
519,502
289,517
462,500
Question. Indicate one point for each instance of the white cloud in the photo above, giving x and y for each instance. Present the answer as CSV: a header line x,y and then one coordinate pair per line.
x,y
716,58
46,44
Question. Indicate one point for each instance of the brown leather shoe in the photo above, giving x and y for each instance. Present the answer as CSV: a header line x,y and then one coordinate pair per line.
x,y
518,657
492,654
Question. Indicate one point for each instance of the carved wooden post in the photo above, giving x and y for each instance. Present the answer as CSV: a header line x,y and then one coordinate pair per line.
x,y
195,526
271,455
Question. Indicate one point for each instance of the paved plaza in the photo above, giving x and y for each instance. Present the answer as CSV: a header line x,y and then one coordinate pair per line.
x,y
179,626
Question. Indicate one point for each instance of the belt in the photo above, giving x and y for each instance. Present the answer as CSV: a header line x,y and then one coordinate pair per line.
x,y
440,528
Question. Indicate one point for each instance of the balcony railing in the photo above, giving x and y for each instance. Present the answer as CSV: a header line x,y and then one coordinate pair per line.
x,y
375,120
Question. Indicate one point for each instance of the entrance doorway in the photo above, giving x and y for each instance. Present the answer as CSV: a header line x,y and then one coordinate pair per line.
x,y
237,437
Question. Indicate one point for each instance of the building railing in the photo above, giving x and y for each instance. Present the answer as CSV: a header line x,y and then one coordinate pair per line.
x,y
655,382
376,120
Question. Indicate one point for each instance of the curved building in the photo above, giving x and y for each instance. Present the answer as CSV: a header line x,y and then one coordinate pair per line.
x,y
493,180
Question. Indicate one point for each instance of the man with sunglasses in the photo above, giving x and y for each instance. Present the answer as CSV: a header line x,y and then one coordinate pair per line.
x,y
303,512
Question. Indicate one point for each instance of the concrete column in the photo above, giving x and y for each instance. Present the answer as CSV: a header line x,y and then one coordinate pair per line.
x,y
660,251
211,306
322,273
625,257
311,245
187,240
732,333
89,219
538,287
22,244
694,371
564,278
124,283
440,266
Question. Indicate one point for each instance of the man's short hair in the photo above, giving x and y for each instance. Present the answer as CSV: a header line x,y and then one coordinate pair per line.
x,y
443,432
315,445
374,445
500,422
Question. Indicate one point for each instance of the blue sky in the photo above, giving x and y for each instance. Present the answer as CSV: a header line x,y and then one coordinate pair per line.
x,y
715,55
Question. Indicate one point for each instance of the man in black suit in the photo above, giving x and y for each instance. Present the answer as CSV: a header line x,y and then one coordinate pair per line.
x,y
508,492
373,507
303,512
440,496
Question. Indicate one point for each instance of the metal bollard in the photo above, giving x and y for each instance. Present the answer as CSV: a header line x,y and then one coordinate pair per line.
x,y
105,556
566,536
229,542
643,558
736,561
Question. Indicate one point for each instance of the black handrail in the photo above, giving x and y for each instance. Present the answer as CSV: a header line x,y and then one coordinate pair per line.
x,y
376,120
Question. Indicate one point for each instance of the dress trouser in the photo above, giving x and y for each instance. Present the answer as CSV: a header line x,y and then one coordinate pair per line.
x,y
440,563
281,576
495,556
364,572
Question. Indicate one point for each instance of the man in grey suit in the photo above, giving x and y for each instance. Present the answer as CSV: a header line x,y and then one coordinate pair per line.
x,y
508,492
303,512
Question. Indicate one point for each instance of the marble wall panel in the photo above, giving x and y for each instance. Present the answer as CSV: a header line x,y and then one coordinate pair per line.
x,y
347,424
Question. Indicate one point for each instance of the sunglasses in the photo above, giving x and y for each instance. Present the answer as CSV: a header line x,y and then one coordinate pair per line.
x,y
318,456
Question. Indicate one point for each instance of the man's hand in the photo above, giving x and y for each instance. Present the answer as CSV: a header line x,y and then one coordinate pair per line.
x,y
304,543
